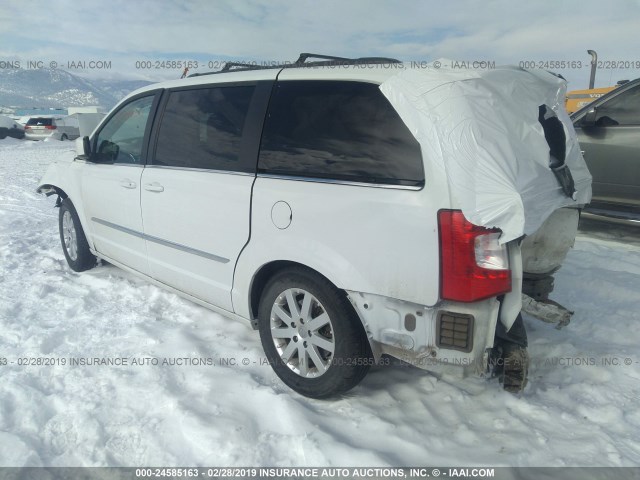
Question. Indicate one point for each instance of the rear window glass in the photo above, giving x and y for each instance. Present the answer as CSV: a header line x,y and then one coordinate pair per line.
x,y
338,130
45,122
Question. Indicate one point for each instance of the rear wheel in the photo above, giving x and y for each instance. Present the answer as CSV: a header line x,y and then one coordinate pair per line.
x,y
516,368
511,356
74,242
311,336
64,137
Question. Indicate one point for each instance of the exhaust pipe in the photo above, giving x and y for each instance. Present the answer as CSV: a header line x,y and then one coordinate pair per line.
x,y
594,65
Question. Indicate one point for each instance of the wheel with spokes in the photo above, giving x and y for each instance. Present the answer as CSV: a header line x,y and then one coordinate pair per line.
x,y
74,242
311,335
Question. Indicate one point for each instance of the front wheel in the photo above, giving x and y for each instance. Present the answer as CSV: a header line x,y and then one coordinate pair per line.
x,y
74,242
311,335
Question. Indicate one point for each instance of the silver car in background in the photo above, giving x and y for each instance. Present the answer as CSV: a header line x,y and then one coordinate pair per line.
x,y
608,131
58,128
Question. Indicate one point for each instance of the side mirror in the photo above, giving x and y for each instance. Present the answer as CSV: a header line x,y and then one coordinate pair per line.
x,y
589,119
83,148
86,146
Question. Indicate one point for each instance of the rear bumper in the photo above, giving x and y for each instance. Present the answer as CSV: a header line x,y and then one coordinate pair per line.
x,y
422,335
37,136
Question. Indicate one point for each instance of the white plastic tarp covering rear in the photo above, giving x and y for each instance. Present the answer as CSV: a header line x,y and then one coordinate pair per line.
x,y
481,127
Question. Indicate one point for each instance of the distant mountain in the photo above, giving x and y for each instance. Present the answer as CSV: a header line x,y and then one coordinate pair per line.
x,y
119,88
47,88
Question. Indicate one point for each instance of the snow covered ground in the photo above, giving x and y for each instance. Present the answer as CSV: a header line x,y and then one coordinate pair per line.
x,y
577,410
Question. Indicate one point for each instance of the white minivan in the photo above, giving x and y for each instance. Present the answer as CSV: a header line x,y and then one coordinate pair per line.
x,y
58,128
348,209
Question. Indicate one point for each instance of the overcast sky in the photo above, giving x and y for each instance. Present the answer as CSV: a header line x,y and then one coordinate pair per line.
x,y
124,32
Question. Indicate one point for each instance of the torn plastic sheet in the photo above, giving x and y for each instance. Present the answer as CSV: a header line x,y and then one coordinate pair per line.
x,y
481,127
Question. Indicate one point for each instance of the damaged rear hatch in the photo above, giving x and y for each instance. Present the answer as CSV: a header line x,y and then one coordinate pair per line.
x,y
511,160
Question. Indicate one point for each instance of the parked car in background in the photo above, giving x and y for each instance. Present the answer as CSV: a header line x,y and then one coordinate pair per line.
x,y
10,128
58,128
311,203
609,135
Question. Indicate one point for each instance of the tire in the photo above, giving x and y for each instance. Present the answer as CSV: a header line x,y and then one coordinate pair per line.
x,y
301,352
64,137
514,356
516,368
3,133
74,242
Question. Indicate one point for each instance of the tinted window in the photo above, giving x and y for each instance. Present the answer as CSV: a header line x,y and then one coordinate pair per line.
x,y
202,128
45,122
121,140
623,109
338,130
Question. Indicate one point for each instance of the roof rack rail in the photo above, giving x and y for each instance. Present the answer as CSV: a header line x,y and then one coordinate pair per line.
x,y
343,60
303,58
249,66
301,62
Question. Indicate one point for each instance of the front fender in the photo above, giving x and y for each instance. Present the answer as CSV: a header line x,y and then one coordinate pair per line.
x,y
50,182
63,178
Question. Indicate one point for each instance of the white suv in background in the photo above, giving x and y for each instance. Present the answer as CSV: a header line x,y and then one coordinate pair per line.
x,y
346,208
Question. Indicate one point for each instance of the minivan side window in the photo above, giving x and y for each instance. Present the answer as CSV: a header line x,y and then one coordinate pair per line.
x,y
338,130
623,109
202,128
121,140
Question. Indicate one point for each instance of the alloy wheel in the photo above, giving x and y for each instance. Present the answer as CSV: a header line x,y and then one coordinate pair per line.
x,y
70,237
302,333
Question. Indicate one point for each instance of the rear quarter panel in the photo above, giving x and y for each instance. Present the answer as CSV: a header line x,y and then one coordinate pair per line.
x,y
382,241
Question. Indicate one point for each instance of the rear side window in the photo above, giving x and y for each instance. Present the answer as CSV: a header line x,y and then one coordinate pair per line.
x,y
202,128
338,130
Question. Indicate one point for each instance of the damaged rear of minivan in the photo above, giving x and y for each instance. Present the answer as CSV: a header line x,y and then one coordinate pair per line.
x,y
502,143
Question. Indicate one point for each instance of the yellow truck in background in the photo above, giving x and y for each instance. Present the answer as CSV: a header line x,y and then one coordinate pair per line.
x,y
576,99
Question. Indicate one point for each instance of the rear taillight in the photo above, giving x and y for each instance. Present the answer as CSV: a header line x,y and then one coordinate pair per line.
x,y
50,127
473,265
26,127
